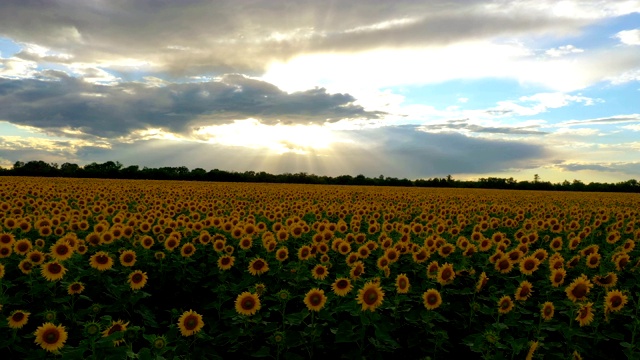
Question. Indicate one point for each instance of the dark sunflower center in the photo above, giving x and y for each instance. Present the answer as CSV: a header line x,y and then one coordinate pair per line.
x,y
115,328
524,292
128,258
584,313
102,259
432,299
225,261
23,247
27,266
190,322
607,279
136,278
529,265
258,265
579,291
446,274
62,250
316,299
504,264
616,301
370,296
17,316
547,311
188,250
248,304
505,304
342,284
51,336
320,271
55,268
402,283
75,287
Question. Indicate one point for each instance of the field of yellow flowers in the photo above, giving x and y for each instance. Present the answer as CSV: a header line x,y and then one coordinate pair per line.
x,y
102,269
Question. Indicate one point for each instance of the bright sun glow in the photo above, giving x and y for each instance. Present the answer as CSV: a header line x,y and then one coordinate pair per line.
x,y
279,139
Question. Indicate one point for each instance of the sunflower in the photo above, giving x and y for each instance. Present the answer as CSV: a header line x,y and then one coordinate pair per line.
x,y
532,349
402,284
61,251
101,261
25,266
540,254
585,314
431,299
547,311
147,242
432,269
7,239
446,274
171,243
53,271
319,272
392,254
357,270
503,264
557,277
137,280
282,254
225,262
505,304
75,288
190,322
576,355
593,260
382,262
482,282
2,271
36,257
51,337
529,265
606,281
187,250
615,300
420,255
247,303
579,288
246,243
370,296
258,266
128,258
22,247
524,291
315,299
446,250
116,326
18,319
342,286
621,261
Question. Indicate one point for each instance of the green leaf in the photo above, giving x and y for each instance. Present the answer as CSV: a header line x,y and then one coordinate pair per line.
x,y
262,352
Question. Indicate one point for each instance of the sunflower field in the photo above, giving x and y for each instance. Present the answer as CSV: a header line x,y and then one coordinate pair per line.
x,y
105,269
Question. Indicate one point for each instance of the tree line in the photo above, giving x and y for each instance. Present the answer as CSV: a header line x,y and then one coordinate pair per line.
x,y
115,170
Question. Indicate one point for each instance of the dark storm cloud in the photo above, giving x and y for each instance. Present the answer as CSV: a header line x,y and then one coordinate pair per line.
x,y
631,168
191,37
462,124
63,102
392,151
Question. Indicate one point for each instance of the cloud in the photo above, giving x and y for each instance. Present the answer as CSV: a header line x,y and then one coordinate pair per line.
x,y
402,151
604,120
60,102
629,168
629,37
194,37
539,103
465,126
563,50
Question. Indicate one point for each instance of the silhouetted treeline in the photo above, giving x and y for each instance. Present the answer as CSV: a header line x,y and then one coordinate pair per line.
x,y
115,170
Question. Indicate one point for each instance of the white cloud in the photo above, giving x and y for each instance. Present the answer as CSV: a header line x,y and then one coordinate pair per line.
x,y
634,127
629,37
539,103
563,50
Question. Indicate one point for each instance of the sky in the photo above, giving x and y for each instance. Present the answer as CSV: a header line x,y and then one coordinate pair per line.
x,y
407,89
